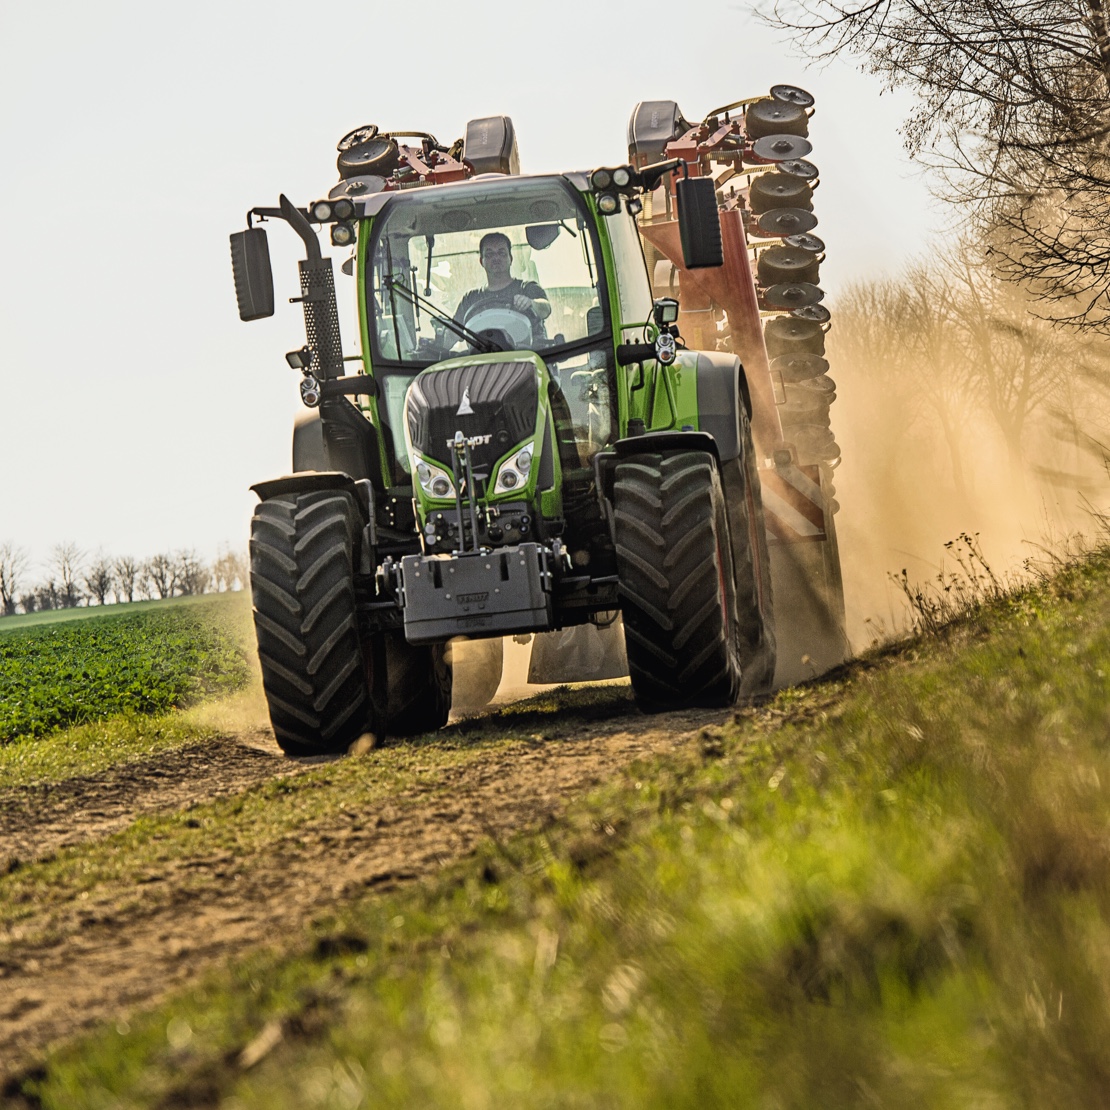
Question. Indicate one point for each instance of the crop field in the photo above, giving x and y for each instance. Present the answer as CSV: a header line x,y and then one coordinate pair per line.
x,y
146,660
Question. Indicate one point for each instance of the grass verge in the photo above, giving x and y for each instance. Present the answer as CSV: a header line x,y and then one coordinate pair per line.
x,y
890,890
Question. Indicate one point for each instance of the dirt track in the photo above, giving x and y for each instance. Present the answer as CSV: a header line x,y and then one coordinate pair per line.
x,y
73,965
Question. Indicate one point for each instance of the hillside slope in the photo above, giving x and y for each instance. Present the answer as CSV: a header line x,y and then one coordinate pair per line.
x,y
890,888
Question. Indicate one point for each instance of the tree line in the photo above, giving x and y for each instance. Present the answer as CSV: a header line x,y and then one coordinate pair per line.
x,y
1012,115
70,577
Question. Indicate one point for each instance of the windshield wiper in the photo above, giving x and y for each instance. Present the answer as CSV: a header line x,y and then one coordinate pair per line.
x,y
479,343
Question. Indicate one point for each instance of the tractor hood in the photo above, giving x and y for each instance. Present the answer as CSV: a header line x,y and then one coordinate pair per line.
x,y
494,401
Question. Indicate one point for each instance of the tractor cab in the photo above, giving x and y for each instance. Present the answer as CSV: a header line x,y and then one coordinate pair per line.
x,y
479,269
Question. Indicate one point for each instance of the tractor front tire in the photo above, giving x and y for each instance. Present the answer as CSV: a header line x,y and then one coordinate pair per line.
x,y
676,581
303,554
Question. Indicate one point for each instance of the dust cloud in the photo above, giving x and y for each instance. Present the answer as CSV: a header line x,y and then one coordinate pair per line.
x,y
958,410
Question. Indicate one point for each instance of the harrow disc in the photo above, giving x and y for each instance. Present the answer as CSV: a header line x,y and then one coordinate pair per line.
x,y
358,136
791,94
779,148
775,117
805,410
787,335
814,444
791,295
779,190
814,313
787,264
805,243
799,167
821,386
800,367
786,221
357,187
379,156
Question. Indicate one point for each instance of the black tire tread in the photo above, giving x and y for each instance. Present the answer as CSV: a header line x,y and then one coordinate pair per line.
x,y
755,604
303,548
668,516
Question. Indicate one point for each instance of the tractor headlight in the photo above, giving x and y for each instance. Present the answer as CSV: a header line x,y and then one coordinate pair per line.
x,y
514,471
434,480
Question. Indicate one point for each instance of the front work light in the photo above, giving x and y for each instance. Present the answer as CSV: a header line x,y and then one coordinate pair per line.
x,y
665,311
321,211
300,360
622,176
601,179
343,209
608,203
342,235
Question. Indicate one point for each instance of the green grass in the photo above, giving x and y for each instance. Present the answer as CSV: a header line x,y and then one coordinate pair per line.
x,y
143,661
889,890
90,749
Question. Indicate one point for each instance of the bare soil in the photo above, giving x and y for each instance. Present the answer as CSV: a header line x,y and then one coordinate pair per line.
x,y
98,967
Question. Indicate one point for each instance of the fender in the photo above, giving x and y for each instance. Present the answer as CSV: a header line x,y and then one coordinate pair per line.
x,y
320,481
336,436
722,389
605,461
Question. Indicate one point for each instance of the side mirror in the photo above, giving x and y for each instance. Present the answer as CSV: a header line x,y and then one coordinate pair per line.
x,y
699,223
254,280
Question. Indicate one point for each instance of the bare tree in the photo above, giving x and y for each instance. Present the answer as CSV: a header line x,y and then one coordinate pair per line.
x,y
99,577
229,570
13,564
66,560
1014,110
162,573
28,602
48,596
193,575
126,571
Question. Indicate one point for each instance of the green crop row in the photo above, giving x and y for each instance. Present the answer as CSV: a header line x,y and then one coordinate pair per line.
x,y
138,662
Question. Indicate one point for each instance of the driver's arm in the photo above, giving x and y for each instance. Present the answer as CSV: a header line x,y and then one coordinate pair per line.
x,y
533,300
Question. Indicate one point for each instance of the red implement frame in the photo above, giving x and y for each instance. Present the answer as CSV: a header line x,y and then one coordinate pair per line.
x,y
730,288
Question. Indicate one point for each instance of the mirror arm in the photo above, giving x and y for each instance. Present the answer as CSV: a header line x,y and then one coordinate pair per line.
x,y
650,176
299,223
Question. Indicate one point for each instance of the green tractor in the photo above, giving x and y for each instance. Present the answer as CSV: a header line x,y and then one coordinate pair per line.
x,y
524,446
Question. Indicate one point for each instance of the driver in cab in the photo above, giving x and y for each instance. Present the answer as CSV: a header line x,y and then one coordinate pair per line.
x,y
495,252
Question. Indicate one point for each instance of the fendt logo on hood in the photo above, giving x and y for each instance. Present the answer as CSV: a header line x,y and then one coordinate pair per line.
x,y
470,441
464,408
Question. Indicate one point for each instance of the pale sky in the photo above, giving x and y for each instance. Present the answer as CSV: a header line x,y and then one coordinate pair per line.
x,y
135,407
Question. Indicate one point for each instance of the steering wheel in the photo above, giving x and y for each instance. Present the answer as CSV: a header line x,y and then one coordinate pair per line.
x,y
516,324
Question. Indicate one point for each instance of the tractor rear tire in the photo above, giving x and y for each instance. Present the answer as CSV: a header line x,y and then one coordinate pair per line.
x,y
676,585
755,603
418,686
303,554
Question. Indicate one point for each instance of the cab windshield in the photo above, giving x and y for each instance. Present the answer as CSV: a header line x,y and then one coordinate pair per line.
x,y
512,262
